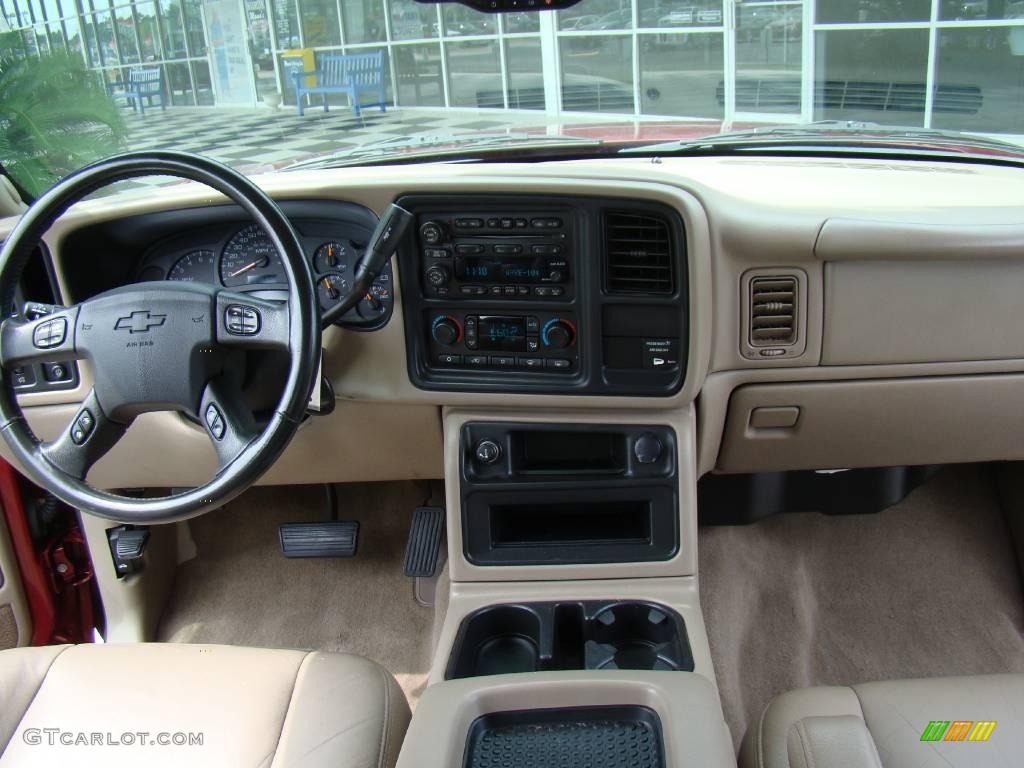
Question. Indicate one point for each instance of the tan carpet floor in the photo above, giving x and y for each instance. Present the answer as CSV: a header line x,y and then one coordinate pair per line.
x,y
239,590
929,587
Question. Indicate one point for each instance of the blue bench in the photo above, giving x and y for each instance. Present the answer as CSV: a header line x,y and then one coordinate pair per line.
x,y
350,74
144,83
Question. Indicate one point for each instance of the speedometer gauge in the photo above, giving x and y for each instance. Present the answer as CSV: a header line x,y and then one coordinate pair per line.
x,y
250,258
194,267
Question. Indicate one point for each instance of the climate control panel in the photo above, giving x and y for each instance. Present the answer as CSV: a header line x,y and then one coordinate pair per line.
x,y
541,341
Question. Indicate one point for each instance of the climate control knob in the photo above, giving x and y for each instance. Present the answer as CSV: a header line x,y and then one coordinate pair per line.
x,y
438,275
558,334
431,233
446,331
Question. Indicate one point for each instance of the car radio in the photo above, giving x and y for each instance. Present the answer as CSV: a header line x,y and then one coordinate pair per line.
x,y
485,256
541,341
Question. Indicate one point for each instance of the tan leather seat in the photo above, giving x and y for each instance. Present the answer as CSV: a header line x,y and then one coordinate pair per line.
x,y
882,724
89,705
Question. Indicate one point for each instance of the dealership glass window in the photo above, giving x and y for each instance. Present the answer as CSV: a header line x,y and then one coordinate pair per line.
x,y
871,11
411,20
104,27
179,84
682,74
769,58
73,34
474,74
149,39
364,21
286,23
124,23
525,73
974,10
597,73
460,21
871,74
320,23
517,23
672,13
201,78
597,15
979,79
194,28
420,80
172,28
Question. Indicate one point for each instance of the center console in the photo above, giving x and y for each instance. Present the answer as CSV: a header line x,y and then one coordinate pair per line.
x,y
515,294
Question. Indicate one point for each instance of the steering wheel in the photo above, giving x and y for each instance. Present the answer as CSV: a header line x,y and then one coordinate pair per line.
x,y
159,346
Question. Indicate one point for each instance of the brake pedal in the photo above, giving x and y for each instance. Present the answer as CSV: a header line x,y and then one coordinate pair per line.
x,y
425,535
339,538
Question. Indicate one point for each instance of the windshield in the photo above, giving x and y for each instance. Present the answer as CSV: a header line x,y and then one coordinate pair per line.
x,y
267,84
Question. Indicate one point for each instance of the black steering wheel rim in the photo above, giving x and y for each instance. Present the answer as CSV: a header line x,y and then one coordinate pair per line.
x,y
301,335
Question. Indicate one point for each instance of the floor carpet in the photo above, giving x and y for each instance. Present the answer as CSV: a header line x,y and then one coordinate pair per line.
x,y
239,590
929,587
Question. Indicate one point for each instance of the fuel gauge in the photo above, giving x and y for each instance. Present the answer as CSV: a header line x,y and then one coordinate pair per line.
x,y
331,289
331,257
374,303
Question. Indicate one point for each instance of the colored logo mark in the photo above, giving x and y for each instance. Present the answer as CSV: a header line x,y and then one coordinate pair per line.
x,y
958,730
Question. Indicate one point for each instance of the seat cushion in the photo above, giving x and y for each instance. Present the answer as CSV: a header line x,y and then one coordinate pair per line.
x,y
93,705
883,724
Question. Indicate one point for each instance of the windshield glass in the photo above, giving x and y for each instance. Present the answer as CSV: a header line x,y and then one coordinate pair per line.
x,y
265,84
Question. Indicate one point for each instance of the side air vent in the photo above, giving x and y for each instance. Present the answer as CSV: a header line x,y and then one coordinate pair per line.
x,y
638,255
773,311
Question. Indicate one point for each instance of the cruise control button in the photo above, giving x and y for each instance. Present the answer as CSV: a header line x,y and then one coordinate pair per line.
x,y
214,421
557,363
23,376
531,362
82,427
50,333
242,320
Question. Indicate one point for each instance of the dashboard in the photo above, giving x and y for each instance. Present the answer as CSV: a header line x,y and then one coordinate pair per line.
x,y
817,313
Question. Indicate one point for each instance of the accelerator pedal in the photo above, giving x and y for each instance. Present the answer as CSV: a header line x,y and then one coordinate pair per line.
x,y
425,535
338,538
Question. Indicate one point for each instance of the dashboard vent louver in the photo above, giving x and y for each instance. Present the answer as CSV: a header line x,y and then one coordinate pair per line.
x,y
638,253
773,310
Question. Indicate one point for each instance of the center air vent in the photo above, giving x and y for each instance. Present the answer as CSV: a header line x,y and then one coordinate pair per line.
x,y
773,311
638,255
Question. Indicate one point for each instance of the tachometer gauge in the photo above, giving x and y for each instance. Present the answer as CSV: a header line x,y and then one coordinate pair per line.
x,y
331,289
250,258
194,267
331,257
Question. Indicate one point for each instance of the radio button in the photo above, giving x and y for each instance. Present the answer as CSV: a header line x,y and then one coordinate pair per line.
x,y
548,290
558,363
476,359
521,223
531,362
503,362
508,249
472,290
510,290
446,359
469,223
548,249
507,223
496,290
522,290
468,248
436,253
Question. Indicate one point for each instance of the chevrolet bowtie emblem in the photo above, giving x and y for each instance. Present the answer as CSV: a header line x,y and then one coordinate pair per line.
x,y
139,321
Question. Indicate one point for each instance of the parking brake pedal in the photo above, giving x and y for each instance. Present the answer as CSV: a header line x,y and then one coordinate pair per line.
x,y
424,545
338,538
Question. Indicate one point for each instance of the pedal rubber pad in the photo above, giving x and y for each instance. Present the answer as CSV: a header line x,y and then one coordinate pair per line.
x,y
339,538
424,545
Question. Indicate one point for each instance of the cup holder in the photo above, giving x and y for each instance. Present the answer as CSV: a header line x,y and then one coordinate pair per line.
x,y
529,637
496,641
633,636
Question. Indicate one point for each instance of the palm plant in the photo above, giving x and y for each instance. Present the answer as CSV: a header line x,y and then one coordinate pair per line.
x,y
55,116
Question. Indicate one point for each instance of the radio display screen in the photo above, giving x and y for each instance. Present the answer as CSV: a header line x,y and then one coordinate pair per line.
x,y
503,333
512,270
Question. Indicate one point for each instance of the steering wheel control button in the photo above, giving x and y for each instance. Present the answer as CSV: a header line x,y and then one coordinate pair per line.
x,y
82,427
50,333
487,451
241,320
23,376
56,372
215,421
